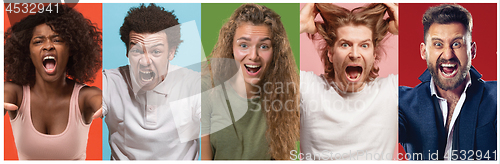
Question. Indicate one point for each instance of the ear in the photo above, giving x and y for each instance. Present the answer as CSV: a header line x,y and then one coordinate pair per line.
x,y
330,56
422,51
171,53
127,51
473,49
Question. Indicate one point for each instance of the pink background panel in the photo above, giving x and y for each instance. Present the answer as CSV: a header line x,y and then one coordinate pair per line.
x,y
310,59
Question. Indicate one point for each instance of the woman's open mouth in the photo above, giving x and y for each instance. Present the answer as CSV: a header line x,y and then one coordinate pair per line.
x,y
49,64
252,69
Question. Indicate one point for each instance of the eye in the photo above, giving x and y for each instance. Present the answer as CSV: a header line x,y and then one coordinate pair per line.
x,y
457,45
37,41
136,51
58,41
438,44
264,46
344,45
364,45
156,52
243,45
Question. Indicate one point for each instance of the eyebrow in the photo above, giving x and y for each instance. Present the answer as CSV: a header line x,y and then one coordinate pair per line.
x,y
156,45
264,39
439,39
42,36
344,40
367,40
433,39
458,37
243,38
248,39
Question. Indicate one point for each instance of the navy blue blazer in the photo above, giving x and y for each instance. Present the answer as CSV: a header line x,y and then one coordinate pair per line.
x,y
421,128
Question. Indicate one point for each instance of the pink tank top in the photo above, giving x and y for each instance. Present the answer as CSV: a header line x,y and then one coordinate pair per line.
x,y
71,144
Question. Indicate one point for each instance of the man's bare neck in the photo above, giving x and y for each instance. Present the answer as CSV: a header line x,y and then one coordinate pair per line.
x,y
452,95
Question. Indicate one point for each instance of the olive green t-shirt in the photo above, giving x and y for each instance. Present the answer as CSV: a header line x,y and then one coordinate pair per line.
x,y
246,139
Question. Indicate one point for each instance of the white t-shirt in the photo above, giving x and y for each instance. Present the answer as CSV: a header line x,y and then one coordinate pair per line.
x,y
359,125
163,123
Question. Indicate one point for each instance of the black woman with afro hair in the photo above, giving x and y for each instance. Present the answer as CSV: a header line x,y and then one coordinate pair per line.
x,y
48,58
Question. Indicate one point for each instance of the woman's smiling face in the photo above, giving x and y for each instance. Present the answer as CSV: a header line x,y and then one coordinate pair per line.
x,y
252,49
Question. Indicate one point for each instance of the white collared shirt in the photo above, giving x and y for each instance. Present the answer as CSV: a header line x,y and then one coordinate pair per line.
x,y
443,104
162,123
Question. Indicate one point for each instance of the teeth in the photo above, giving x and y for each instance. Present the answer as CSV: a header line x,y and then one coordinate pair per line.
x,y
449,73
148,79
252,66
49,57
448,65
150,73
357,76
354,78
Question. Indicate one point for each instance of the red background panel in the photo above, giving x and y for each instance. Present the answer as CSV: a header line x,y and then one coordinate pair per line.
x,y
92,11
484,33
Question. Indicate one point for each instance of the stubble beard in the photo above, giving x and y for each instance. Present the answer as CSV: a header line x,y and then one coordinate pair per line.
x,y
451,83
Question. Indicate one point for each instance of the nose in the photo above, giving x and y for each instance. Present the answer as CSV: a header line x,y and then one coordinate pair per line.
x,y
448,53
253,54
354,53
145,59
48,45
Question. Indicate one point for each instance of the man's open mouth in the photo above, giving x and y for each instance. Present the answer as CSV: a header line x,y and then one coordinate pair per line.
x,y
146,75
353,73
49,64
252,69
448,70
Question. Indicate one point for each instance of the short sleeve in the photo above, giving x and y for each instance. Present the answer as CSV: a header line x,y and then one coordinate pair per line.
x,y
302,79
206,107
188,122
394,82
197,99
105,95
307,81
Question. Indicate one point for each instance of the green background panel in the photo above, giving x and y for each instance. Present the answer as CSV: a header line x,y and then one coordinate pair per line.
x,y
214,15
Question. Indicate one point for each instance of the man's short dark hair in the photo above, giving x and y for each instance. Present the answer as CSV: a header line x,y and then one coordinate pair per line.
x,y
151,19
445,14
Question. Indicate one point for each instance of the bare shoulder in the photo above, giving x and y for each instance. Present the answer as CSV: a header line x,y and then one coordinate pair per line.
x,y
90,100
12,87
12,92
90,91
89,94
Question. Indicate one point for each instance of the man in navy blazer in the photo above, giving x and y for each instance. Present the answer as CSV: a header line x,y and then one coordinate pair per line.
x,y
452,114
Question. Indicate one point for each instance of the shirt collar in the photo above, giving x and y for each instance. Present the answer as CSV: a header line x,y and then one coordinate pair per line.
x,y
433,86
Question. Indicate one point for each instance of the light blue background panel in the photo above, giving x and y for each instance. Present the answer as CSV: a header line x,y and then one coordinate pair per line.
x,y
114,50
